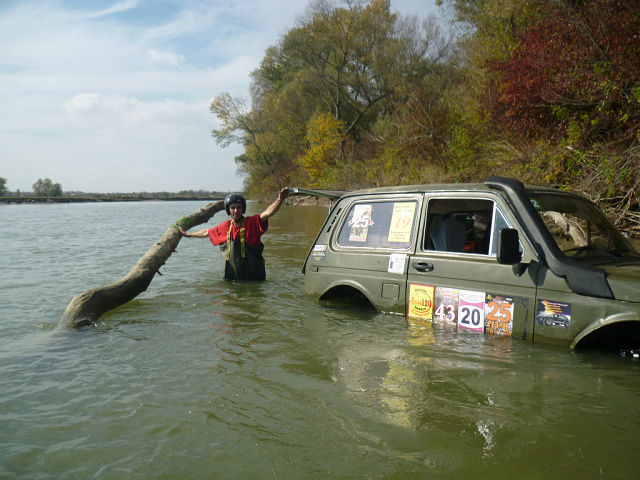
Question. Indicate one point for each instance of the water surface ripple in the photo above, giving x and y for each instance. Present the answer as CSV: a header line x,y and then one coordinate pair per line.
x,y
202,378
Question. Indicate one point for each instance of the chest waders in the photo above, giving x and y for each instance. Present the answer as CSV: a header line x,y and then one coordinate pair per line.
x,y
243,261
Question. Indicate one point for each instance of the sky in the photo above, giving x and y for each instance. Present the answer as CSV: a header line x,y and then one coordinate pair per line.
x,y
114,95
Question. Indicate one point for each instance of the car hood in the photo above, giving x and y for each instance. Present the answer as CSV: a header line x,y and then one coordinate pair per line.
x,y
624,280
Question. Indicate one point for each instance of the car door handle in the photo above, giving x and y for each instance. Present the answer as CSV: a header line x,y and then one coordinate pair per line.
x,y
423,266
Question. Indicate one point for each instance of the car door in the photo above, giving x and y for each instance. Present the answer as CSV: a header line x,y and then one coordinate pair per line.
x,y
366,249
454,276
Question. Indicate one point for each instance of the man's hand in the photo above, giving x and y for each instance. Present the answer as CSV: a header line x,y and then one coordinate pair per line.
x,y
273,208
199,234
284,193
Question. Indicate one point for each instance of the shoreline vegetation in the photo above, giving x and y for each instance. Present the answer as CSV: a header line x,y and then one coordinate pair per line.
x,y
298,201
356,96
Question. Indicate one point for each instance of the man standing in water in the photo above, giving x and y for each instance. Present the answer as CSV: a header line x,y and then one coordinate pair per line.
x,y
239,238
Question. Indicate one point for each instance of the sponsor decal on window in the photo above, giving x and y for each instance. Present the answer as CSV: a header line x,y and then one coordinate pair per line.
x,y
401,222
360,223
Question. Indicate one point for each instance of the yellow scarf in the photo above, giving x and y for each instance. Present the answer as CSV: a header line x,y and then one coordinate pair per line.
x,y
242,238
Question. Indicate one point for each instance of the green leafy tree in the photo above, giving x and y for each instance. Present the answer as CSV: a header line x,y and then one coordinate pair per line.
x,y
271,135
487,33
46,188
357,59
3,186
351,61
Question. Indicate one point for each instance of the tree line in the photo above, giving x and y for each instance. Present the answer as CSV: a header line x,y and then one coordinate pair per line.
x,y
355,96
41,188
47,188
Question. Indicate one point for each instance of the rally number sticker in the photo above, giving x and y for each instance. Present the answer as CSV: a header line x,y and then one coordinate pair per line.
x,y
446,305
471,311
498,312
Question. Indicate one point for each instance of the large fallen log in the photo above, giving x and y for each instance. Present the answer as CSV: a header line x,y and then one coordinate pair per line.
x,y
86,308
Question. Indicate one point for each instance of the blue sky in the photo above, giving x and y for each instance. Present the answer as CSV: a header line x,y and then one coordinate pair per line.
x,y
113,96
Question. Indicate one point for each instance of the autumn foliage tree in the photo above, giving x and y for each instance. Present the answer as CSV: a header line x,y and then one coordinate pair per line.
x,y
576,72
325,135
320,90
573,82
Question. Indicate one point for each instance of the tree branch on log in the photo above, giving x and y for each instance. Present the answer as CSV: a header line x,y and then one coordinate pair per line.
x,y
86,308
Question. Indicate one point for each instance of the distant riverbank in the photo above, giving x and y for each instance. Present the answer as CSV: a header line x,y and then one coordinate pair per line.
x,y
104,198
302,200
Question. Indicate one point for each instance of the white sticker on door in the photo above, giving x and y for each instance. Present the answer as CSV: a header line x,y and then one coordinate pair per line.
x,y
471,311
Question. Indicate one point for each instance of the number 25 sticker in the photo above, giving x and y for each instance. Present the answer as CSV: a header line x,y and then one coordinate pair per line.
x,y
499,315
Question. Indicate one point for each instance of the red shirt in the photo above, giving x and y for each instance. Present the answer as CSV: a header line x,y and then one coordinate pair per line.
x,y
253,227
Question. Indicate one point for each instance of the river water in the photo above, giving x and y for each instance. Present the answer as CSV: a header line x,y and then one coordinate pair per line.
x,y
201,378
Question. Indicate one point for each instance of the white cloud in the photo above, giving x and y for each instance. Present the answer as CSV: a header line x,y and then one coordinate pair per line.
x,y
132,111
165,58
117,7
116,97
84,102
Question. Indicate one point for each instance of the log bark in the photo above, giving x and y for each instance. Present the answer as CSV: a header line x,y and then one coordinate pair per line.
x,y
86,308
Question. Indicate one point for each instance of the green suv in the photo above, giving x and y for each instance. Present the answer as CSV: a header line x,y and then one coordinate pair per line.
x,y
498,258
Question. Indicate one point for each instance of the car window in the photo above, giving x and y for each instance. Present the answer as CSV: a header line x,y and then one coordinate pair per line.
x,y
385,224
499,222
462,225
579,228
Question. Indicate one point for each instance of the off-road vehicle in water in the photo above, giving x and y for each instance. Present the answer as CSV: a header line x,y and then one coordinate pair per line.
x,y
498,258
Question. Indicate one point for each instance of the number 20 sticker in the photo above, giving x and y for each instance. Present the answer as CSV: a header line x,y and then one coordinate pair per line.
x,y
471,311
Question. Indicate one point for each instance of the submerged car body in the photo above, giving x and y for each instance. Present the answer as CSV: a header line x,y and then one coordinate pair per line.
x,y
496,258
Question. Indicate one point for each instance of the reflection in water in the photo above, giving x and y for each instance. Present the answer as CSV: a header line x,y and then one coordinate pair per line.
x,y
420,332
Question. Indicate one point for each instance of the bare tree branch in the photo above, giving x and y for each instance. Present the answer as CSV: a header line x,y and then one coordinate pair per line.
x,y
86,308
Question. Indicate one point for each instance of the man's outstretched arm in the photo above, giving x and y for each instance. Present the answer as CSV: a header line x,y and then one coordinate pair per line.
x,y
199,234
273,208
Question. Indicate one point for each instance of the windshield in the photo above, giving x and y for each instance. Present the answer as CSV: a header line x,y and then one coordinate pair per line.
x,y
580,229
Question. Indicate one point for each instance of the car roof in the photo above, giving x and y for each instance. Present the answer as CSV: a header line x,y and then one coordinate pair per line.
x,y
444,187
420,188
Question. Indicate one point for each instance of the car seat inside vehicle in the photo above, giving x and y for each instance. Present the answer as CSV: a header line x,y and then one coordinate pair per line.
x,y
449,235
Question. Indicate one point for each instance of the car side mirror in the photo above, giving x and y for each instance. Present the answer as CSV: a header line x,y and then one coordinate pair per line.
x,y
508,252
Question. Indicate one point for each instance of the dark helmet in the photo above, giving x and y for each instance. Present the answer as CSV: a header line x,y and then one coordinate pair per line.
x,y
233,198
